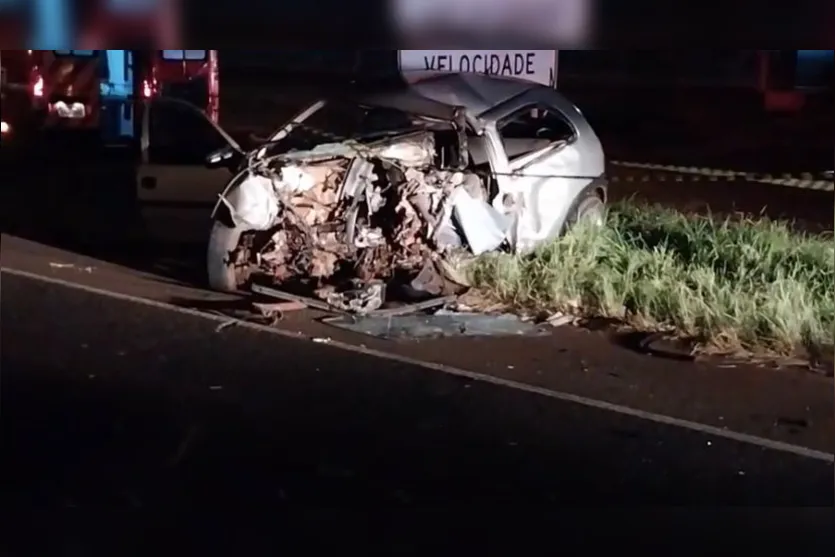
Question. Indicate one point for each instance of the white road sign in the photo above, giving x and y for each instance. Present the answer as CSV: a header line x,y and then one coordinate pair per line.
x,y
534,65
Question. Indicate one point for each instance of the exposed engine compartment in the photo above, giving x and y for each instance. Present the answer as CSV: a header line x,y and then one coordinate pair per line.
x,y
348,219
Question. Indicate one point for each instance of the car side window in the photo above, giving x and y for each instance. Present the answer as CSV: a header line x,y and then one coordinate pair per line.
x,y
532,128
180,134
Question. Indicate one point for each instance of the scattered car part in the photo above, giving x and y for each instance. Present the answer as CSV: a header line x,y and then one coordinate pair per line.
x,y
436,325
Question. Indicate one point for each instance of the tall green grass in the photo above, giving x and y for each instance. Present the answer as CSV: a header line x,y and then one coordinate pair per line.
x,y
731,284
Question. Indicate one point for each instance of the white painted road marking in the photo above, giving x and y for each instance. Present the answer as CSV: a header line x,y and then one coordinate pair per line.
x,y
475,376
804,181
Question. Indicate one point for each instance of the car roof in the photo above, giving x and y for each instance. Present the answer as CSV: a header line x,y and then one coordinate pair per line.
x,y
477,93
440,94
426,94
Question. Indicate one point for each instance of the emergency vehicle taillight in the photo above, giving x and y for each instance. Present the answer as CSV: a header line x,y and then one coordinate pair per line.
x,y
37,86
147,89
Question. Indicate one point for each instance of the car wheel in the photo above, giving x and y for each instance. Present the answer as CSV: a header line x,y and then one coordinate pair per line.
x,y
587,207
223,274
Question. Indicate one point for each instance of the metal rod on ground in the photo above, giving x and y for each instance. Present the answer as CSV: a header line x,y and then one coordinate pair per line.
x,y
278,307
310,302
324,306
411,308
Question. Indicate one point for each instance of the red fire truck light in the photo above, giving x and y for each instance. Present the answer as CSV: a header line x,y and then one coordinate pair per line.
x,y
37,88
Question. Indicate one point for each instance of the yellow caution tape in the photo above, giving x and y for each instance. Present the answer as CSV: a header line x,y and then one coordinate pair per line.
x,y
807,180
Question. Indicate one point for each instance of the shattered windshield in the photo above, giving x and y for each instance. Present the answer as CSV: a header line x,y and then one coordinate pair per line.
x,y
339,121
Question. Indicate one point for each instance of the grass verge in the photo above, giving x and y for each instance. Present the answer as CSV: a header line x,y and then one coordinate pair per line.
x,y
730,285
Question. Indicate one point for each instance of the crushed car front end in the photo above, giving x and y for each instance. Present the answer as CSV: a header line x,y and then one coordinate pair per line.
x,y
347,218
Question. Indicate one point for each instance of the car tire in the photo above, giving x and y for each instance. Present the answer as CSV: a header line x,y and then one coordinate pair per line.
x,y
221,273
588,205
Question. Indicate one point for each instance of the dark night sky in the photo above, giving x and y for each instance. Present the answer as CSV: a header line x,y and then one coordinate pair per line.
x,y
682,66
620,24
705,64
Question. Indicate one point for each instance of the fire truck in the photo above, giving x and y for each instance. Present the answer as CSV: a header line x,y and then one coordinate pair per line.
x,y
16,105
65,87
189,75
98,90
5,124
137,76
51,90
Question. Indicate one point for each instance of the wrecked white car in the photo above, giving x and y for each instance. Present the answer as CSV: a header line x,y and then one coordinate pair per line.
x,y
363,192
356,194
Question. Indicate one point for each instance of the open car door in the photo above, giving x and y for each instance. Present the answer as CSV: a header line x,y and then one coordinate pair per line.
x,y
175,189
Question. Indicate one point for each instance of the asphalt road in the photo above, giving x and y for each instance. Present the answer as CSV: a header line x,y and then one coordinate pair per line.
x,y
111,404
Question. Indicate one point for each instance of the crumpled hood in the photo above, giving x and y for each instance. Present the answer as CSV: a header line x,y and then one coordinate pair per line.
x,y
380,210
